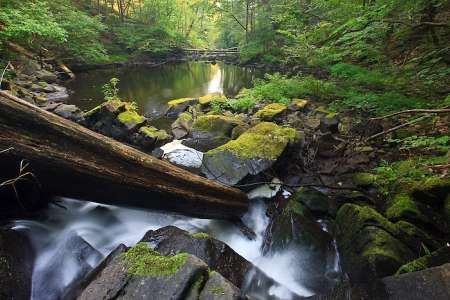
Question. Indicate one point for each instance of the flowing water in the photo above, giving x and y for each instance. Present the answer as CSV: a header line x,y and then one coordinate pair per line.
x,y
59,235
63,257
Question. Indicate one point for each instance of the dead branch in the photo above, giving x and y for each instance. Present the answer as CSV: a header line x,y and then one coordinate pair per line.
x,y
414,111
6,150
397,128
431,24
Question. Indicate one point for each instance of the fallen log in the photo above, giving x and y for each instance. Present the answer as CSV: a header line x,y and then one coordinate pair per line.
x,y
72,161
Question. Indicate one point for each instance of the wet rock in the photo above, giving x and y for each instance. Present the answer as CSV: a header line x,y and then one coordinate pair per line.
x,y
70,112
182,125
178,106
149,137
218,288
211,131
368,244
434,259
253,152
72,254
46,76
182,156
16,265
431,283
314,200
294,229
271,112
59,94
216,254
142,273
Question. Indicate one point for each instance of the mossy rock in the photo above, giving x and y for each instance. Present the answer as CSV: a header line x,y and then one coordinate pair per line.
x,y
271,111
149,137
253,152
431,190
214,97
298,104
143,261
368,244
433,259
177,106
314,200
266,141
364,179
182,125
130,119
216,124
416,237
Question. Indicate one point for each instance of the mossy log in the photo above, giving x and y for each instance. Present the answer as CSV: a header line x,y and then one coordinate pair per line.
x,y
72,161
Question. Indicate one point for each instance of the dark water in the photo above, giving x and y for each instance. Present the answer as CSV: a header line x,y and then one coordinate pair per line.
x,y
153,87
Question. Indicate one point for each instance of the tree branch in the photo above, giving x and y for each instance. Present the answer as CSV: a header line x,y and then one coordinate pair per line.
x,y
414,111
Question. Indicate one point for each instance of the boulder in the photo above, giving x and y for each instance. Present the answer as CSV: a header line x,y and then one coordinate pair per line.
x,y
433,259
216,254
219,288
182,156
298,104
149,137
295,229
182,125
369,244
70,112
60,93
271,112
46,76
431,283
177,106
314,200
16,265
211,131
253,152
142,273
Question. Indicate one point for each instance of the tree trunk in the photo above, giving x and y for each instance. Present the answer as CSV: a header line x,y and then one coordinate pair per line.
x,y
72,161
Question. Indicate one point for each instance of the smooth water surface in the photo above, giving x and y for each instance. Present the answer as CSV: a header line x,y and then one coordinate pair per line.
x,y
152,87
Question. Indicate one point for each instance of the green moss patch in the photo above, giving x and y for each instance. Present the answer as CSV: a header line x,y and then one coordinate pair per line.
x,y
215,97
216,123
299,104
130,117
402,206
266,140
200,235
154,133
271,111
143,261
179,101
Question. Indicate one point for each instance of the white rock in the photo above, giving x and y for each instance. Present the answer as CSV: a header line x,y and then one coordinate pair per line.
x,y
266,191
182,156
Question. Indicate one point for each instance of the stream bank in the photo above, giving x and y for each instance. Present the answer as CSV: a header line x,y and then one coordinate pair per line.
x,y
316,154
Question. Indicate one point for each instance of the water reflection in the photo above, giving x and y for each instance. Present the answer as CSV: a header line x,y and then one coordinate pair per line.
x,y
151,88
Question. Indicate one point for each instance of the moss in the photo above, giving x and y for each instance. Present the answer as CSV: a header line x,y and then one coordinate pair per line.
x,y
179,101
364,179
130,117
154,133
216,123
216,97
184,117
266,140
269,112
143,261
200,235
402,205
299,104
219,291
414,266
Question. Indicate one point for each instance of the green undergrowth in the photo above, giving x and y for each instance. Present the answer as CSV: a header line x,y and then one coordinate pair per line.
x,y
143,261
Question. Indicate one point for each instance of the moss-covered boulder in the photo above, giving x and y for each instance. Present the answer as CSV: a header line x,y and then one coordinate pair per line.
x,y
177,106
271,112
368,244
149,138
182,125
206,100
295,229
433,259
211,131
253,152
218,288
314,200
298,104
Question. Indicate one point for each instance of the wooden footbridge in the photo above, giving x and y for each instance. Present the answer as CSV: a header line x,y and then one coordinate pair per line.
x,y
212,54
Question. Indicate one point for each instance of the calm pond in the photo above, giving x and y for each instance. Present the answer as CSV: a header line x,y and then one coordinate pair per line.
x,y
152,87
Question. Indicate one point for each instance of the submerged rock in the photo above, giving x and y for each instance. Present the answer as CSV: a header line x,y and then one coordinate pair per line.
x,y
211,131
16,265
253,152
